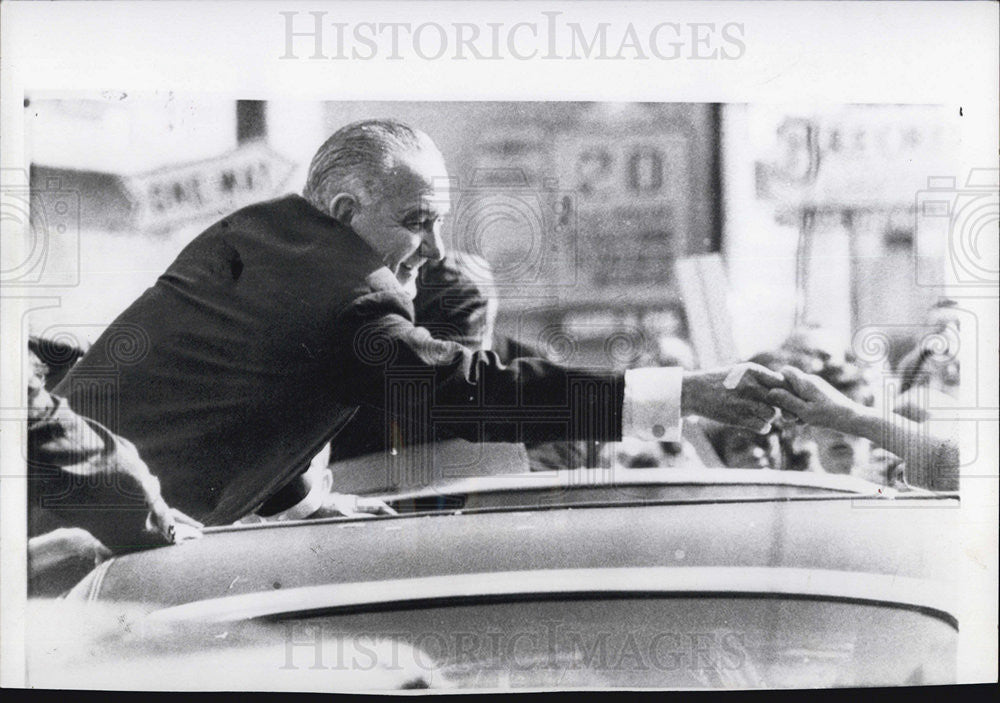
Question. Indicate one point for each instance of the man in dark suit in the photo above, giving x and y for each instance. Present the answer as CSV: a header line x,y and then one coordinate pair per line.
x,y
273,326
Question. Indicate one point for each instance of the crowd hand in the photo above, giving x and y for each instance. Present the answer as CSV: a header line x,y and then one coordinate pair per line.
x,y
350,505
168,524
814,401
735,395
171,524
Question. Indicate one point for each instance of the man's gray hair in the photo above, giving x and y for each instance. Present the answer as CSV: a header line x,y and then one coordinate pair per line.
x,y
355,160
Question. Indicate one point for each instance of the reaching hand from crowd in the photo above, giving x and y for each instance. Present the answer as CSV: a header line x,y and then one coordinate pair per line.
x,y
815,402
931,456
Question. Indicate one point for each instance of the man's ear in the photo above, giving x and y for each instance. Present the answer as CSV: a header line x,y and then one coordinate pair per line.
x,y
343,207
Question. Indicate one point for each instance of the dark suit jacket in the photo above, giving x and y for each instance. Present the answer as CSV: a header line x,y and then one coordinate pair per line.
x,y
259,342
369,433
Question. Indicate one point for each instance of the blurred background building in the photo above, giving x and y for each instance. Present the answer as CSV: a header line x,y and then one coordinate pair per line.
x,y
613,230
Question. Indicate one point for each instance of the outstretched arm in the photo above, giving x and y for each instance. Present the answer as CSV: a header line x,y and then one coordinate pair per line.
x,y
931,458
444,386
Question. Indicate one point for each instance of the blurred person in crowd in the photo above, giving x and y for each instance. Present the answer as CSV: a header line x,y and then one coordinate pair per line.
x,y
89,494
738,449
929,373
456,301
57,356
811,347
272,327
638,454
930,364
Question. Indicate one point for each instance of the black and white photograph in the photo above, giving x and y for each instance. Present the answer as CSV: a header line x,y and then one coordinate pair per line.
x,y
499,347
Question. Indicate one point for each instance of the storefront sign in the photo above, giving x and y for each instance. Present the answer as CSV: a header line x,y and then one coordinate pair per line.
x,y
861,156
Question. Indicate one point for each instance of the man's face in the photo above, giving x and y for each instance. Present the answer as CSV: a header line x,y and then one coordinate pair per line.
x,y
403,222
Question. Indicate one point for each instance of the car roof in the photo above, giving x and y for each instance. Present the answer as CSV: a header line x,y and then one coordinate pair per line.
x,y
768,541
707,482
927,596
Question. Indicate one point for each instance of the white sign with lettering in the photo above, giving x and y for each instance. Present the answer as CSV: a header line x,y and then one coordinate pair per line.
x,y
857,156
168,197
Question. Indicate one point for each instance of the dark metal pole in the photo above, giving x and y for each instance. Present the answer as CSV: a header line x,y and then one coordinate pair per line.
x,y
251,120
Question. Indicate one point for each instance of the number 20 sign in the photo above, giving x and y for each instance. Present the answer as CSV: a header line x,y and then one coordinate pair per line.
x,y
626,170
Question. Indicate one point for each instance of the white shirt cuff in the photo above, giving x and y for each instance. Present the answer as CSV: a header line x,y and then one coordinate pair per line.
x,y
652,407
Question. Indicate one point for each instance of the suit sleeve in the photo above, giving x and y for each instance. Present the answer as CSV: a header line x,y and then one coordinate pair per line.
x,y
437,389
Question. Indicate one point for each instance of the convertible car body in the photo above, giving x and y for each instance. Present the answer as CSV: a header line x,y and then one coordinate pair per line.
x,y
638,578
